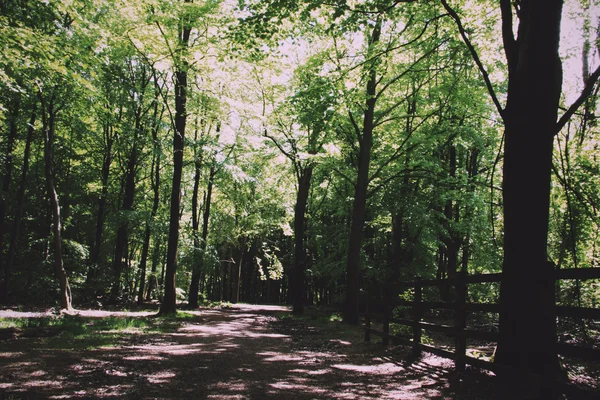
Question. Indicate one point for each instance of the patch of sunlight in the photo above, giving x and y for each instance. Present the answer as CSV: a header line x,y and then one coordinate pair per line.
x,y
285,385
402,395
39,372
380,369
272,356
230,329
144,358
115,372
128,331
93,361
311,371
233,386
152,350
342,342
115,390
161,377
22,364
11,355
43,383
413,385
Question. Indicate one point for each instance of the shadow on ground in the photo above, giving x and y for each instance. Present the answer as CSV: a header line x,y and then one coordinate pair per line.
x,y
238,353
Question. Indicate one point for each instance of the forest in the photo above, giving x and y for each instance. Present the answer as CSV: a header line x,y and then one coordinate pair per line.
x,y
179,152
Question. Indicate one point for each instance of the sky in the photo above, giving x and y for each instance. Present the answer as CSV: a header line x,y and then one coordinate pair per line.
x,y
571,47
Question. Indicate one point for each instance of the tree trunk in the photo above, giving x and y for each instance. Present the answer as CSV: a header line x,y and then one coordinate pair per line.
x,y
360,194
236,274
153,281
155,180
528,316
194,286
123,232
97,245
8,167
168,305
14,237
48,116
298,279
198,254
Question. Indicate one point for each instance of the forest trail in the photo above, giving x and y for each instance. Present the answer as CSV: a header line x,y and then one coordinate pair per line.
x,y
242,352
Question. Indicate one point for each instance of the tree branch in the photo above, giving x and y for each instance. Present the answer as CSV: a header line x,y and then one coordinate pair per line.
x,y
346,178
357,130
279,146
409,69
508,37
475,56
587,91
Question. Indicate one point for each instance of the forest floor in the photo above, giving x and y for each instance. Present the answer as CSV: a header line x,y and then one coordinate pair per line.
x,y
235,352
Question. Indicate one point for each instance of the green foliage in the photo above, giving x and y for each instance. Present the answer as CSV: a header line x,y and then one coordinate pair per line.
x,y
294,71
77,332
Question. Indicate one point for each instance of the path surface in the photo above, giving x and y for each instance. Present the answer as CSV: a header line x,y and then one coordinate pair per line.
x,y
238,353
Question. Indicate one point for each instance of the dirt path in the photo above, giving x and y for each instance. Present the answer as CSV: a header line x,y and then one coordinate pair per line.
x,y
238,353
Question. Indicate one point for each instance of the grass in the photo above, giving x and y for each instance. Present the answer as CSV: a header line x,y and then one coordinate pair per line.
x,y
327,324
73,332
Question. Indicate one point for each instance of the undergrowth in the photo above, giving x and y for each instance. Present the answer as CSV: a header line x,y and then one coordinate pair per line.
x,y
78,332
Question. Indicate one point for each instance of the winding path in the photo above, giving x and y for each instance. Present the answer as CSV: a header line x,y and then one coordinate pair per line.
x,y
242,352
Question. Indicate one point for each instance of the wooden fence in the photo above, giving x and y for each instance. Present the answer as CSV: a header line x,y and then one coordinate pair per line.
x,y
459,329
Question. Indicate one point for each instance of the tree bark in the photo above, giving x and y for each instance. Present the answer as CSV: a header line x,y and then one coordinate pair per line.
x,y
155,178
14,237
123,232
49,119
528,316
298,279
351,315
169,305
236,273
194,286
105,173
4,192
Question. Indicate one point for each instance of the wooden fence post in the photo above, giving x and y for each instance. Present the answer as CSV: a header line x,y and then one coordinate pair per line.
x,y
368,318
417,315
386,315
460,320
549,379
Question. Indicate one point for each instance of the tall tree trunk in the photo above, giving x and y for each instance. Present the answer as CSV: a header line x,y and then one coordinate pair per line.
x,y
169,305
528,315
105,173
452,213
198,254
203,245
153,281
155,178
298,280
360,194
14,237
123,232
6,180
236,273
49,119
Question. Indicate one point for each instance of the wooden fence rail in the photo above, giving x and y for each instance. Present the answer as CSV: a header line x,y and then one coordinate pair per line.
x,y
459,329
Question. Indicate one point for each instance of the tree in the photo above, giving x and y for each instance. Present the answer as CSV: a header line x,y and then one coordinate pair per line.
x,y
527,316
301,137
49,114
168,305
200,242
138,81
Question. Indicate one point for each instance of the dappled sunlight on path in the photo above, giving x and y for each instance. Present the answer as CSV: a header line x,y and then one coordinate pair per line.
x,y
230,353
